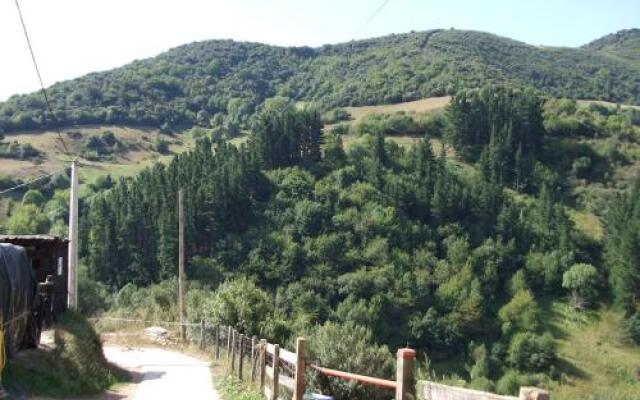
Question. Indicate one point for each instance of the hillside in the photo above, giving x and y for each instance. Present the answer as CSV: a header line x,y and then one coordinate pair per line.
x,y
624,44
220,83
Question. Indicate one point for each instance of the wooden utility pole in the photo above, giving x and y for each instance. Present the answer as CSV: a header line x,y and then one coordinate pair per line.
x,y
72,280
181,277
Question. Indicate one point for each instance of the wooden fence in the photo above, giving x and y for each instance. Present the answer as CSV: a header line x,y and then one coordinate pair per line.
x,y
280,373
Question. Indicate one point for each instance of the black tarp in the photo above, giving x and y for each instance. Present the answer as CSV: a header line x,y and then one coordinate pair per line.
x,y
17,291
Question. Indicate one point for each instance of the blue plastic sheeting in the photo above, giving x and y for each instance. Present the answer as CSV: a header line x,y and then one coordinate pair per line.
x,y
17,294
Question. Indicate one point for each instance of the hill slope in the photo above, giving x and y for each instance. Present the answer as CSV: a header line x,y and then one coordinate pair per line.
x,y
221,82
624,44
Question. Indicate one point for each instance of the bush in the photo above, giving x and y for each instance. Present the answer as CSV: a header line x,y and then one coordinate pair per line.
x,y
582,280
350,348
509,383
531,352
161,145
632,327
75,367
239,303
34,197
520,314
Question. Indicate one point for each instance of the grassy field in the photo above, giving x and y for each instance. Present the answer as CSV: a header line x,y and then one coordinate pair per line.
x,y
596,363
429,104
139,142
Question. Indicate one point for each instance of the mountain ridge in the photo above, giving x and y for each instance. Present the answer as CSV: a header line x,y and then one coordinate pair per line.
x,y
221,83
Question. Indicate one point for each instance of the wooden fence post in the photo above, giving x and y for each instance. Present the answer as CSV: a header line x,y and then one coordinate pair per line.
x,y
201,334
217,341
254,357
405,369
229,336
263,362
301,354
276,371
234,338
532,393
241,356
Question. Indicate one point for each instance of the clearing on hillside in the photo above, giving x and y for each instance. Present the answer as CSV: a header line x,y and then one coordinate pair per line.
x,y
136,151
424,105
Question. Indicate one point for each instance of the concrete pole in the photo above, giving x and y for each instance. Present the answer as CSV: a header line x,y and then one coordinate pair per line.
x,y
72,282
181,303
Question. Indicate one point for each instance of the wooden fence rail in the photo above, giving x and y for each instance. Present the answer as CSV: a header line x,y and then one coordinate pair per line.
x,y
275,369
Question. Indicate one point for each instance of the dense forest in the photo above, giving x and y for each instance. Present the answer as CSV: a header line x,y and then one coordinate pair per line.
x,y
222,83
293,233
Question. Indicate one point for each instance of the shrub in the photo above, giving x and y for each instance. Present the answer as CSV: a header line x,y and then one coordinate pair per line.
x,y
531,352
632,327
349,347
238,303
74,368
509,383
521,313
161,145
34,197
582,280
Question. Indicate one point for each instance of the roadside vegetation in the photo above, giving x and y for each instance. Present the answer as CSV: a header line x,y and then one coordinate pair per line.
x,y
75,366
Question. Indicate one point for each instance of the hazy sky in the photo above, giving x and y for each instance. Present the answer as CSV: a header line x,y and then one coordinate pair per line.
x,y
74,37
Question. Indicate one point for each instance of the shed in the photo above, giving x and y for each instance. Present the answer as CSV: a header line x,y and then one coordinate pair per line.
x,y
49,256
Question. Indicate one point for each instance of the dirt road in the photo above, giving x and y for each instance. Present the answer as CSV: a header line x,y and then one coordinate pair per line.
x,y
161,374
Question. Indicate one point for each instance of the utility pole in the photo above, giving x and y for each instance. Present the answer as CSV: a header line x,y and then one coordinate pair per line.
x,y
181,304
72,281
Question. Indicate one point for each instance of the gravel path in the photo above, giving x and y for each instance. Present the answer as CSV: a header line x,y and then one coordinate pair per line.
x,y
162,374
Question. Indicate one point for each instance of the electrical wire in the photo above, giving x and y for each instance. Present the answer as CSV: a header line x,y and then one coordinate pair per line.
x,y
371,17
30,182
42,88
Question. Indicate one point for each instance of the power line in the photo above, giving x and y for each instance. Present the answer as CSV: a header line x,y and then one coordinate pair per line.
x,y
31,181
42,88
371,17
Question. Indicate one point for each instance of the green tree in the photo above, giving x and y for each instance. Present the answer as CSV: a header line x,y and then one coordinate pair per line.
x,y
582,280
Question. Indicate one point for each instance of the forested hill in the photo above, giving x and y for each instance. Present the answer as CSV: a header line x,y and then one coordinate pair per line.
x,y
624,44
220,83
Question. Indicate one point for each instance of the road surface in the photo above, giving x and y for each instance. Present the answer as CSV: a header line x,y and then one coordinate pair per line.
x,y
161,374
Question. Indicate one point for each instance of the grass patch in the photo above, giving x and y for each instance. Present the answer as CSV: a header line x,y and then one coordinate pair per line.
x,y
595,360
231,388
75,366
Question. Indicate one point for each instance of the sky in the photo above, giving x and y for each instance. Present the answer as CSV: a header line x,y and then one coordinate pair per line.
x,y
74,37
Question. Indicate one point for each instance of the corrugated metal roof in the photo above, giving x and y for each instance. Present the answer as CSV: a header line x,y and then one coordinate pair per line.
x,y
44,238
